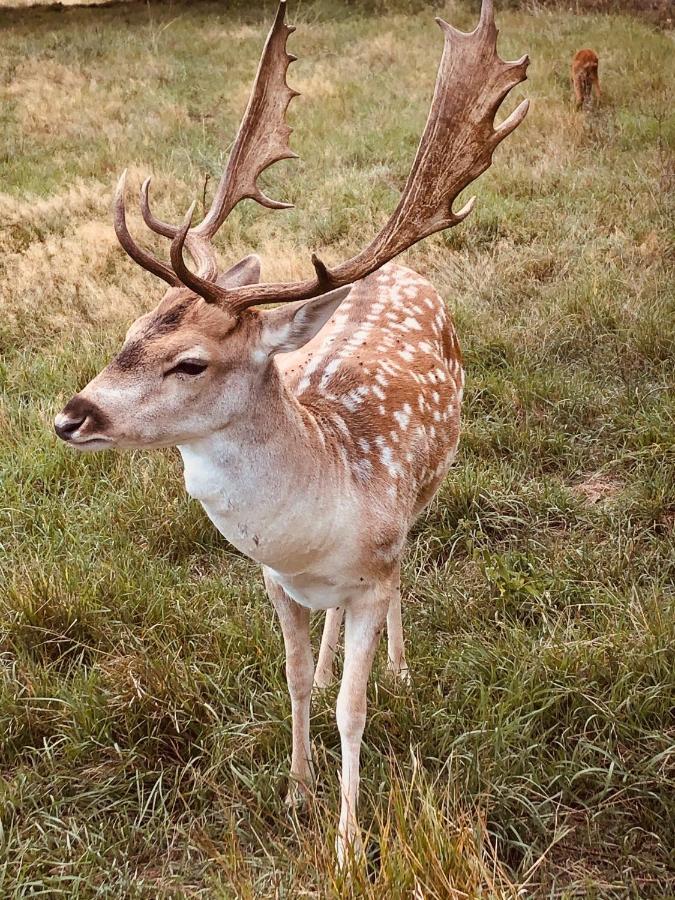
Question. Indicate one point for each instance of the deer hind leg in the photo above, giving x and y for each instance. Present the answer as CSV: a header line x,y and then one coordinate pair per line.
x,y
395,645
294,620
595,84
329,641
364,622
587,89
578,92
323,675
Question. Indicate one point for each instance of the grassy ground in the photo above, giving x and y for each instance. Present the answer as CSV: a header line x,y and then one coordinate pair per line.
x,y
143,707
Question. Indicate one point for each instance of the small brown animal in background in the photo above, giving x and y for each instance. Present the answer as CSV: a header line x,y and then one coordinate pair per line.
x,y
585,77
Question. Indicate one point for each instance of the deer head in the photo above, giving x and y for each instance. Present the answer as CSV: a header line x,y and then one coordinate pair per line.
x,y
188,368
196,362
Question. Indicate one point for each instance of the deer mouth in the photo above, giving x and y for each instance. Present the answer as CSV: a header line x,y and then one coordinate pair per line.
x,y
68,435
90,444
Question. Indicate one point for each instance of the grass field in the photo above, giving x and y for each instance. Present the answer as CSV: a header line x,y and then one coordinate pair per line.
x,y
143,709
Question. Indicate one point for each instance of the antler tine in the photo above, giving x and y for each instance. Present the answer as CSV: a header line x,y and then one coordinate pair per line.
x,y
200,250
207,289
456,147
487,18
142,257
153,223
511,122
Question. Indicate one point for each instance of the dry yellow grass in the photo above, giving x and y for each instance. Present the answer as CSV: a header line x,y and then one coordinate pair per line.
x,y
23,4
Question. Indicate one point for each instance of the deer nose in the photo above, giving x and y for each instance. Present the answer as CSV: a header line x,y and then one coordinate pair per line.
x,y
66,426
79,413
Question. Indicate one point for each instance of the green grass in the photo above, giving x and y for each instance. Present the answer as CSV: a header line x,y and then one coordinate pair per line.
x,y
143,708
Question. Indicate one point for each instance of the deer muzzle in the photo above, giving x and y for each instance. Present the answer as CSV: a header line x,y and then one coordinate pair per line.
x,y
82,425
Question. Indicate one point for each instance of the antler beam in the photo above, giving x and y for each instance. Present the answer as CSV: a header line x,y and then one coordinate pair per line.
x,y
142,257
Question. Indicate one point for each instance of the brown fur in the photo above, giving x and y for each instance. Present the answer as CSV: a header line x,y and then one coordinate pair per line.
x,y
404,361
585,77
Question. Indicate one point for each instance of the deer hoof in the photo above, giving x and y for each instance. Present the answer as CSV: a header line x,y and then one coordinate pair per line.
x,y
400,672
298,796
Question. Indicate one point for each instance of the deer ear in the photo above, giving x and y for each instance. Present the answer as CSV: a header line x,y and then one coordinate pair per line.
x,y
246,271
289,327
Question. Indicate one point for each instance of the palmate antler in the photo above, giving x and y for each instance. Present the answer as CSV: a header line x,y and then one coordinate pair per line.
x,y
261,141
456,147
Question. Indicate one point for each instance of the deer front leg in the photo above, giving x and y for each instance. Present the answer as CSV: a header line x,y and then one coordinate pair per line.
x,y
329,641
294,620
364,622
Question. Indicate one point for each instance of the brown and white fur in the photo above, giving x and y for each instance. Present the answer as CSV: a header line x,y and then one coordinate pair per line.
x,y
312,449
585,77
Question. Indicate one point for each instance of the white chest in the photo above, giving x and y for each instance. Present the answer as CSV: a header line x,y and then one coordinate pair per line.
x,y
249,522
278,523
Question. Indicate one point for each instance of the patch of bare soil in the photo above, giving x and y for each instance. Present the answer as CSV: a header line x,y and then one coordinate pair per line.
x,y
596,488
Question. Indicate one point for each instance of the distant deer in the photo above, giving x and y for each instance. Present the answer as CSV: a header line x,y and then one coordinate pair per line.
x,y
314,433
585,77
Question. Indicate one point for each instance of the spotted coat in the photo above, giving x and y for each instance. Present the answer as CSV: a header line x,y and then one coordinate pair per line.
x,y
384,380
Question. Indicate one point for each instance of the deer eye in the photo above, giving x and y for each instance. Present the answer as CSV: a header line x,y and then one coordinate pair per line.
x,y
187,367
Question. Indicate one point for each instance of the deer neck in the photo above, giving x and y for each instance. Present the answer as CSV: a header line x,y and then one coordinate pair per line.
x,y
262,478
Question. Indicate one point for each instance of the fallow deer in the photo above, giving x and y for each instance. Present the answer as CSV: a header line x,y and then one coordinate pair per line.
x,y
316,432
585,77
